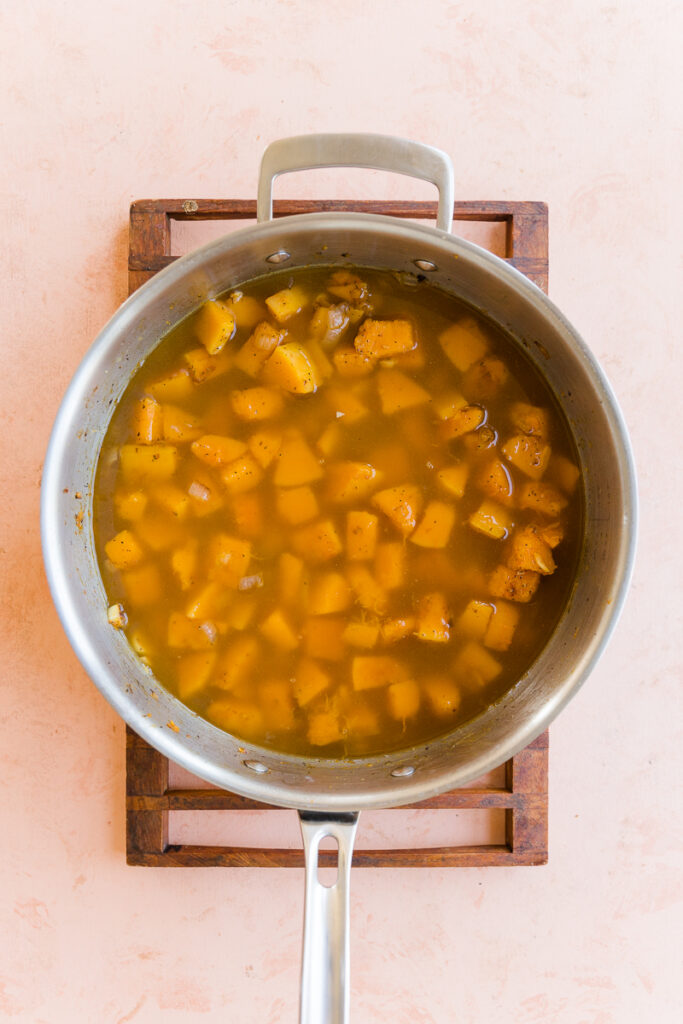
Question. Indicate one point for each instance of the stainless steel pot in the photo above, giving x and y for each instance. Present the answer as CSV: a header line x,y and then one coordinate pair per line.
x,y
329,794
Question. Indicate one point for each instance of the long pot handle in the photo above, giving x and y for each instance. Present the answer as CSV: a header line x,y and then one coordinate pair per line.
x,y
325,964
381,152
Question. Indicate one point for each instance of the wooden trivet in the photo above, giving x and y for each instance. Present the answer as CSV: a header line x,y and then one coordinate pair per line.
x,y
524,797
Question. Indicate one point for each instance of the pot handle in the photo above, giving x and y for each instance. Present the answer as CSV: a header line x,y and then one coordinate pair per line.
x,y
325,965
381,152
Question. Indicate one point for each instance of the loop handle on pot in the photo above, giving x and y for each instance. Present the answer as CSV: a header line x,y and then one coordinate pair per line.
x,y
325,964
380,152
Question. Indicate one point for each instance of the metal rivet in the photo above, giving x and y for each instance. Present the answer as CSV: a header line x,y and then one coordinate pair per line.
x,y
279,257
403,771
190,206
425,265
256,766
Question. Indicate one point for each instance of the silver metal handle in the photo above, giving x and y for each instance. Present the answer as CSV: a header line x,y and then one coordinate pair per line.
x,y
325,966
381,152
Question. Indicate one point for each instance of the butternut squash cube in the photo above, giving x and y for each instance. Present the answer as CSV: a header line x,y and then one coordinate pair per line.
x,y
287,303
246,310
290,579
463,420
295,463
464,343
552,534
146,421
143,586
130,505
361,634
564,473
189,634
257,403
366,588
345,285
475,665
172,500
397,391
257,348
329,592
123,550
361,535
330,439
484,379
494,480
445,406
378,339
475,619
324,728
277,704
492,520
394,630
177,387
150,463
242,475
529,454
403,699
297,505
454,478
215,450
239,717
324,638
264,446
310,680
443,695
390,558
435,526
345,405
433,619
241,614
513,584
203,366
362,721
278,630
215,325
238,662
290,368
228,558
159,532
179,425
402,505
369,671
209,602
350,363
349,481
204,495
193,672
528,550
184,564
501,626
530,419
317,542
543,498
247,510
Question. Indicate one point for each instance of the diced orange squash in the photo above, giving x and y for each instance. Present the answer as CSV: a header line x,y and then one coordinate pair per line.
x,y
329,440
484,379
397,391
443,695
454,478
369,671
435,527
193,672
362,721
513,584
361,634
177,387
529,454
324,728
502,626
172,500
381,338
146,421
529,419
368,592
416,359
159,531
141,643
258,348
402,505
123,550
390,559
361,535
277,704
285,304
394,630
215,450
204,495
317,542
297,504
564,473
475,619
475,665
492,520
528,550
350,363
209,601
247,510
403,699
242,475
215,325
310,680
184,564
445,406
494,479
464,343
345,405
189,634
321,364
463,420
543,498
295,463
179,425
246,310
279,631
329,592
143,586
228,558
552,534
151,462
241,614
290,368
290,579
257,403
433,618
349,481
203,366
345,285
264,446
324,638
238,662
241,717
130,505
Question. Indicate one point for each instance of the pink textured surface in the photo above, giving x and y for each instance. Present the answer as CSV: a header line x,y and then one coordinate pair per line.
x,y
572,103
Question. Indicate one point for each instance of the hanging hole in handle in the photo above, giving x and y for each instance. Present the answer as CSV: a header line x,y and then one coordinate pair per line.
x,y
328,874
